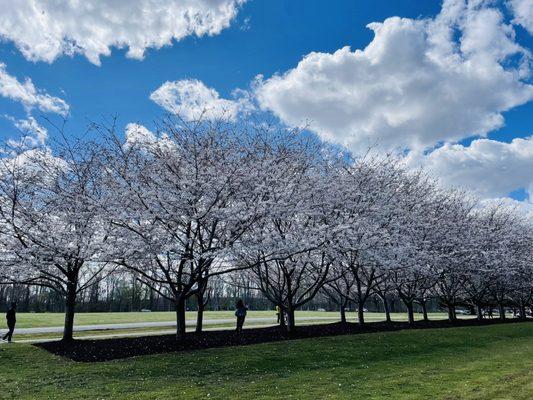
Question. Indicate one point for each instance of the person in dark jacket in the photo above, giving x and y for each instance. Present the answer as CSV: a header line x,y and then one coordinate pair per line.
x,y
11,318
240,313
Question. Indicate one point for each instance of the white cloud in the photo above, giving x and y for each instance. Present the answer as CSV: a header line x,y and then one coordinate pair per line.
x,y
137,134
27,94
523,207
418,83
192,100
44,30
488,167
31,162
523,13
32,133
141,138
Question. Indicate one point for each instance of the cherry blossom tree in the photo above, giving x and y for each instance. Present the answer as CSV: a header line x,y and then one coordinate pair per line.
x,y
194,207
289,251
368,191
416,237
51,229
182,199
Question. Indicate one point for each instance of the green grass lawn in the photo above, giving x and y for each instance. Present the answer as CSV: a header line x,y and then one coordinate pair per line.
x,y
488,362
32,320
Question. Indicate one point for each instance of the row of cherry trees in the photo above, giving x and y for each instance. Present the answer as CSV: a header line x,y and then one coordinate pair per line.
x,y
197,202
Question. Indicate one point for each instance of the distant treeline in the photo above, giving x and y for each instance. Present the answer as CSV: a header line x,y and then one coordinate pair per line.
x,y
125,294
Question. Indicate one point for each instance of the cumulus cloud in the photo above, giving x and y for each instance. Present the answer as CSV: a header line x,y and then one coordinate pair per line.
x,y
27,94
192,100
523,207
140,137
32,133
488,167
137,134
44,30
418,83
31,163
523,13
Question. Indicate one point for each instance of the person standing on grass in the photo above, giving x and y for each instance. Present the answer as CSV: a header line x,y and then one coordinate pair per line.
x,y
11,318
240,313
278,313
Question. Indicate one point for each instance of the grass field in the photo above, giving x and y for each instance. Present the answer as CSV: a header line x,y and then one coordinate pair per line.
x,y
487,362
33,320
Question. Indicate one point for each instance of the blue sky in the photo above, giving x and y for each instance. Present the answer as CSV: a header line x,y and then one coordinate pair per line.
x,y
266,37
263,37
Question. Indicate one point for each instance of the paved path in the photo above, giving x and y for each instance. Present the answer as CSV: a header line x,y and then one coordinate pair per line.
x,y
270,321
135,325
131,334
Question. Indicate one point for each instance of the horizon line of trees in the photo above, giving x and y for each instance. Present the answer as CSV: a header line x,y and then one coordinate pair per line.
x,y
260,208
123,293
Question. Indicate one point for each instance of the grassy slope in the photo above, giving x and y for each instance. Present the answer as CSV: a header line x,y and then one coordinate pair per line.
x,y
493,362
31,320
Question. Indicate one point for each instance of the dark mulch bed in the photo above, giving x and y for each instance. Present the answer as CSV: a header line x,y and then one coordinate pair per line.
x,y
111,349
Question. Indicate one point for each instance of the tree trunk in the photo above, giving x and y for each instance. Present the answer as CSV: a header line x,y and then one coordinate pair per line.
x,y
180,319
360,314
200,315
451,312
70,305
387,309
410,313
502,311
424,310
282,319
479,312
343,314
522,311
291,324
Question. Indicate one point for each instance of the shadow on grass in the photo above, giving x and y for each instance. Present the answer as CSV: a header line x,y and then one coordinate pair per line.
x,y
109,349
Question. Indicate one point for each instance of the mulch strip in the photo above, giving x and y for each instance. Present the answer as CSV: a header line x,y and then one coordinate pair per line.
x,y
98,350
